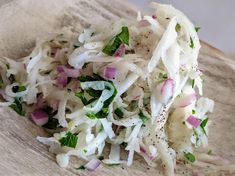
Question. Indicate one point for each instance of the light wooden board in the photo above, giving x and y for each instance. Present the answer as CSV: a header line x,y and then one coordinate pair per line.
x,y
22,21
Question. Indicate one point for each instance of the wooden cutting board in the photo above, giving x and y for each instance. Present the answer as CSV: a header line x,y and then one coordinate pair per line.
x,y
22,21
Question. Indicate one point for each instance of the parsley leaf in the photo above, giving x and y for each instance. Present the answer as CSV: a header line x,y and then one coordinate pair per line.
x,y
119,112
17,106
70,140
203,125
197,28
116,41
178,27
190,157
191,45
143,117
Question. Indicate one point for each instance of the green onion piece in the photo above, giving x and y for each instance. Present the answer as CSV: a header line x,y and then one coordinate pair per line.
x,y
70,140
116,41
190,157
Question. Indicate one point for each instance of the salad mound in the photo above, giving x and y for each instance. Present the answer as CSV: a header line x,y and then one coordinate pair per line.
x,y
128,85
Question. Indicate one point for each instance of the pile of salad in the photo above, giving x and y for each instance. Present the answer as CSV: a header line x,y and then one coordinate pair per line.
x,y
125,85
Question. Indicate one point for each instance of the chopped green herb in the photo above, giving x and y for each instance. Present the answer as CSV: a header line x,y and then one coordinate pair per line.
x,y
114,164
163,76
85,65
82,167
52,124
81,95
91,115
17,106
70,140
197,28
203,125
124,144
16,89
143,117
85,151
209,152
191,45
196,135
119,112
190,157
1,82
94,93
116,41
100,158
178,27
12,78
193,83
193,111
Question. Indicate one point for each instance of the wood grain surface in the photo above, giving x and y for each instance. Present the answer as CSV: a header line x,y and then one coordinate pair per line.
x,y
23,21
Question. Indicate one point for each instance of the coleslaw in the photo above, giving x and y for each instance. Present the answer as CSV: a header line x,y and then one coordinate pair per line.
x,y
127,85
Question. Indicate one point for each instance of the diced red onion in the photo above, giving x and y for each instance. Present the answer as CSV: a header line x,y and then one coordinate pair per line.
x,y
120,51
57,54
92,164
144,152
41,102
61,80
110,72
70,72
154,16
144,23
167,90
187,100
39,117
192,120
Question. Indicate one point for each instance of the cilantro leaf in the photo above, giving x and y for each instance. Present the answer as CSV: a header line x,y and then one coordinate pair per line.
x,y
70,140
190,157
119,112
116,41
177,27
143,117
191,45
17,106
203,125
